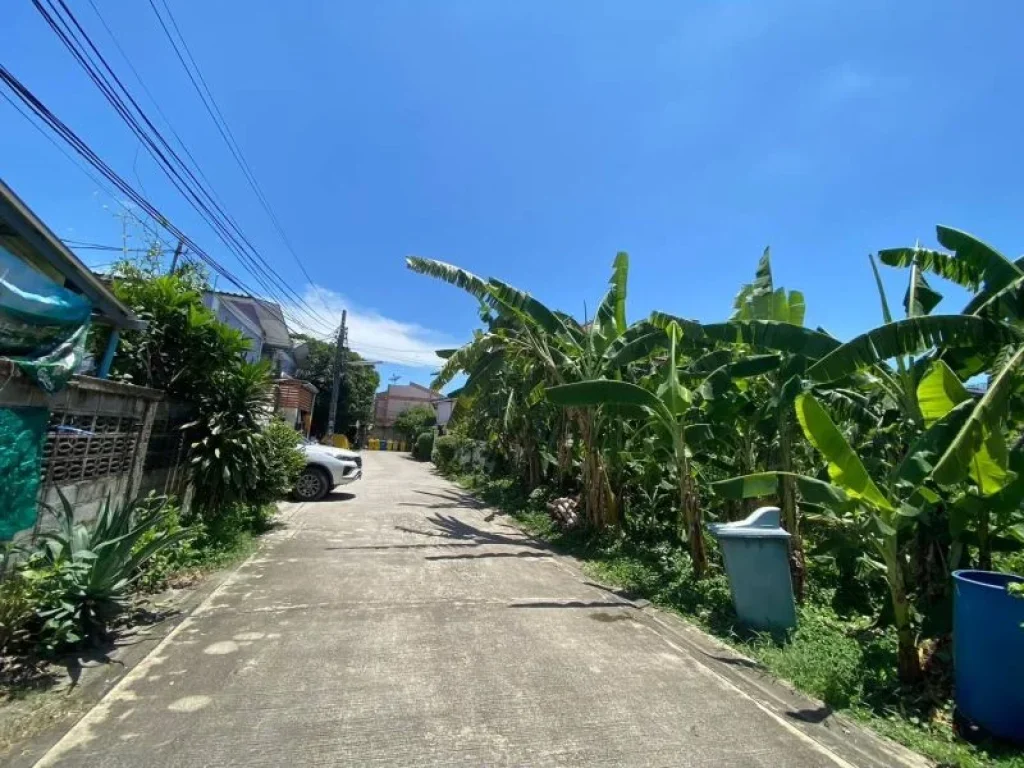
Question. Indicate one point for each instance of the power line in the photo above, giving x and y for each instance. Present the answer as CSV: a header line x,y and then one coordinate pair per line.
x,y
223,127
83,149
170,162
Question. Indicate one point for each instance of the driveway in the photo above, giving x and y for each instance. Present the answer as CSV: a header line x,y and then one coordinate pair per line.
x,y
403,625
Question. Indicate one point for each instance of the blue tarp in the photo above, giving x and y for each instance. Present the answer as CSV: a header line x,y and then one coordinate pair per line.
x,y
43,326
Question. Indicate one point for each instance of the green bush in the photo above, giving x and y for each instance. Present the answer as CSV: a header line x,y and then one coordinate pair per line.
x,y
444,452
226,447
281,462
424,446
411,422
17,608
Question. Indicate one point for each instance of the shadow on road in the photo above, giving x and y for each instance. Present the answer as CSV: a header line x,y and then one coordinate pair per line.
x,y
449,527
570,604
484,555
816,715
453,500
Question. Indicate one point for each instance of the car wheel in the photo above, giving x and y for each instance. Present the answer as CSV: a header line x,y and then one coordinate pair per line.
x,y
312,484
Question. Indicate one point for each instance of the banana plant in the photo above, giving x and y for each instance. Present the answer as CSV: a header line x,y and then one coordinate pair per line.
x,y
564,349
667,410
762,310
963,440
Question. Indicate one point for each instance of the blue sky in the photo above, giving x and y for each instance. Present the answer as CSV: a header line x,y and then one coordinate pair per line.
x,y
533,140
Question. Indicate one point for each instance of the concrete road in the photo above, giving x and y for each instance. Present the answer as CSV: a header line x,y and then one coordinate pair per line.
x,y
403,625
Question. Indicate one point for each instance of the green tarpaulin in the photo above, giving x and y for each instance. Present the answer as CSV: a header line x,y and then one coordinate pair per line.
x,y
22,433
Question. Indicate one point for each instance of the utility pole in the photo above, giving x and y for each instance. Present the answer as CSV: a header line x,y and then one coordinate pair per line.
x,y
339,367
177,255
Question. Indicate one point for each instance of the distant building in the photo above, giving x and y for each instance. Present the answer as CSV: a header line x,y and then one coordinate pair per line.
x,y
394,400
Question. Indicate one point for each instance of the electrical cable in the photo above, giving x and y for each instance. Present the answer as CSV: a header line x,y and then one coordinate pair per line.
x,y
225,132
212,212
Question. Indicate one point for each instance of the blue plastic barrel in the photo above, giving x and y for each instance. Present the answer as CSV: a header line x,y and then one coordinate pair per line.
x,y
988,652
383,445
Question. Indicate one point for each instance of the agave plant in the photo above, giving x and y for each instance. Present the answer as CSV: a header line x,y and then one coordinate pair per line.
x,y
92,567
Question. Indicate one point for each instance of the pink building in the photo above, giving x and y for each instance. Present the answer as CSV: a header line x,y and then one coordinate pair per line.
x,y
397,398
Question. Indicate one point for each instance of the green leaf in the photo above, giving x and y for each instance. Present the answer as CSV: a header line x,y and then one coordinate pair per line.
x,y
674,395
945,265
924,452
763,484
637,343
978,448
920,298
844,467
603,391
523,304
467,281
886,314
773,335
939,391
912,336
994,270
797,308
612,311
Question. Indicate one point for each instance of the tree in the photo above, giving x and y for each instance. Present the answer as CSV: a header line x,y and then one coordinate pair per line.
x,y
355,397
414,420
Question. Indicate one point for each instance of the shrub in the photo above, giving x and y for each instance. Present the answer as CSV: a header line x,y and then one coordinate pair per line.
x,y
281,462
226,437
444,452
17,608
424,446
411,422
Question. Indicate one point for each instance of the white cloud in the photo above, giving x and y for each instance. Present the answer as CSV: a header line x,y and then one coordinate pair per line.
x,y
370,333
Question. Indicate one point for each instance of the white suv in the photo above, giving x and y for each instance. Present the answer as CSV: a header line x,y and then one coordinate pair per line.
x,y
326,467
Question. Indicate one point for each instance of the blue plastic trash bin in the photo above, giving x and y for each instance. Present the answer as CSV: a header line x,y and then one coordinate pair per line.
x,y
756,554
988,652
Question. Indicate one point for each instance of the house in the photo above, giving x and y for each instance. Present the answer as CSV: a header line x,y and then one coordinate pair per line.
x,y
261,322
48,294
394,400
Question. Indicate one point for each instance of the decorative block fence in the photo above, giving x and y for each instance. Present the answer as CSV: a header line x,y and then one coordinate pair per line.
x,y
102,438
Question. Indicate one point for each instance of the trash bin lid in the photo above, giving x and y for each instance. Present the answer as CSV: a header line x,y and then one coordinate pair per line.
x,y
763,523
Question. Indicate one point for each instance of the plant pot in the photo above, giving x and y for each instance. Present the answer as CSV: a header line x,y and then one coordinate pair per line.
x,y
988,652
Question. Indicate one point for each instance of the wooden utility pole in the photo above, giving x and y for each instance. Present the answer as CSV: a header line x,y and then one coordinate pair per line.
x,y
339,367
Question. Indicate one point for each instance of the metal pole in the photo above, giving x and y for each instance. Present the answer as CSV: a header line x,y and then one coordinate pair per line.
x,y
108,355
339,366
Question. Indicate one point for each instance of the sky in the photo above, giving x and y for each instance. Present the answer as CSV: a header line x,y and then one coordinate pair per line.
x,y
531,141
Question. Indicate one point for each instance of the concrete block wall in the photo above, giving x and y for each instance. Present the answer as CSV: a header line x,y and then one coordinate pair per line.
x,y
97,443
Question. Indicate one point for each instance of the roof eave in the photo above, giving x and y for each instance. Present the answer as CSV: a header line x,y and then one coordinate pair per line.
x,y
34,232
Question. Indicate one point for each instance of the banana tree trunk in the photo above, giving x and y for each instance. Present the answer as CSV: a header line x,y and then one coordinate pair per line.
x,y
790,514
692,522
908,662
600,507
